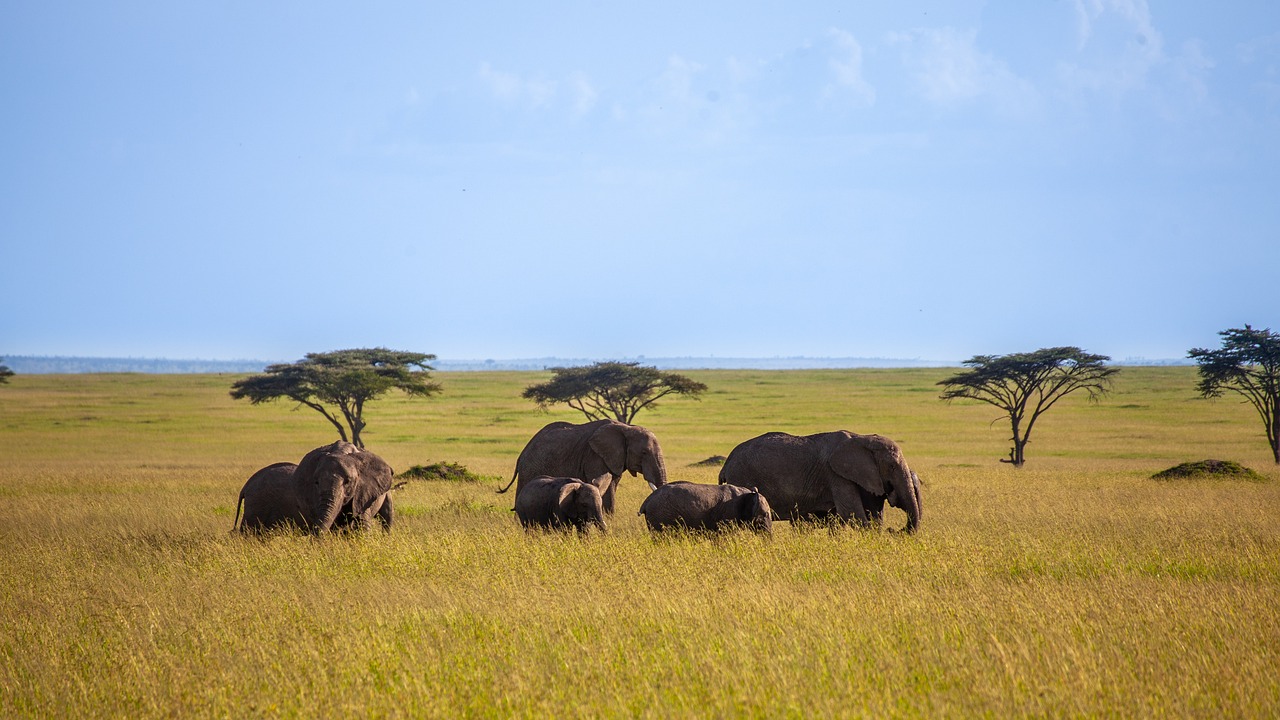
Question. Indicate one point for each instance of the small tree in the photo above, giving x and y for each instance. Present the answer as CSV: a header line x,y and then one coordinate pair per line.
x,y
338,384
611,389
1025,385
1248,363
5,373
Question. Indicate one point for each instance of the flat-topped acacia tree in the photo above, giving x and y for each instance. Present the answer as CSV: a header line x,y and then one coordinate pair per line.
x,y
1025,385
611,389
338,384
1248,363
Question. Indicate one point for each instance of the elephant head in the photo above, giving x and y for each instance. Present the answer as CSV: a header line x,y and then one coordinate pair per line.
x,y
342,479
876,467
580,505
754,512
629,448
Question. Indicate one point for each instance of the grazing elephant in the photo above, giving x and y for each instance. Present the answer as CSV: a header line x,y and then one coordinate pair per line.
x,y
560,503
599,452
270,499
335,487
706,507
836,473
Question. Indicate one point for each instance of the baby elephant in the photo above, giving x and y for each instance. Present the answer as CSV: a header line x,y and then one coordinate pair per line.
x,y
706,507
560,502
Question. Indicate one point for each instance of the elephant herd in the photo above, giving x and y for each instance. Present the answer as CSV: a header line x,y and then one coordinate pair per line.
x,y
567,477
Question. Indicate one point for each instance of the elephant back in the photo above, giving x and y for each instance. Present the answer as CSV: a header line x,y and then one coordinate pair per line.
x,y
787,469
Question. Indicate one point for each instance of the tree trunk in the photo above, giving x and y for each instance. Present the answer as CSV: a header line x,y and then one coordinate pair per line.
x,y
1019,442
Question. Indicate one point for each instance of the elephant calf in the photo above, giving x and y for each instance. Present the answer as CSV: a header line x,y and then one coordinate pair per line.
x,y
706,507
560,502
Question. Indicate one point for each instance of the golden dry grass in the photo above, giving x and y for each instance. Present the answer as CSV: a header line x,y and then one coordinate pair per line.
x,y
1074,586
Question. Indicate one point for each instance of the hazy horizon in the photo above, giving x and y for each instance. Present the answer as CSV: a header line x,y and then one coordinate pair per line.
x,y
37,365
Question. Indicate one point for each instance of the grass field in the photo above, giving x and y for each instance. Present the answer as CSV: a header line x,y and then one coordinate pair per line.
x,y
1075,586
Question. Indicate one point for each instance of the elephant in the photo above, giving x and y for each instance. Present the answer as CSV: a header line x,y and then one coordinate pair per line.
x,y
598,452
560,503
270,499
335,487
841,474
706,507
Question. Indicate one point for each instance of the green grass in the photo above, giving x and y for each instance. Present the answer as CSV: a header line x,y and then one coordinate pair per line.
x,y
1074,586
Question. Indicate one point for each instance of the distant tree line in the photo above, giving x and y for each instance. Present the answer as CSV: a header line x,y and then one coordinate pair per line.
x,y
1023,386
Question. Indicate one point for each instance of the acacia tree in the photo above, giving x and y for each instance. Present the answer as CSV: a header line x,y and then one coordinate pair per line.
x,y
611,389
338,384
1248,363
1025,385
5,373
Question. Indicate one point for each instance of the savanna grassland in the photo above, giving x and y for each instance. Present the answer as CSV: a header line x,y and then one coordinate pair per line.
x,y
1075,586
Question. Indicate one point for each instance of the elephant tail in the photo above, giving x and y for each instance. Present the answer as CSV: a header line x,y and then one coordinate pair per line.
x,y
236,521
514,475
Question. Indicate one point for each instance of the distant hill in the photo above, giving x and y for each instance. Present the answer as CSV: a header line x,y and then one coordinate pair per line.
x,y
39,365
696,363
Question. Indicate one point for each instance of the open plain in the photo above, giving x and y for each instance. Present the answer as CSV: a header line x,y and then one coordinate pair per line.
x,y
1074,586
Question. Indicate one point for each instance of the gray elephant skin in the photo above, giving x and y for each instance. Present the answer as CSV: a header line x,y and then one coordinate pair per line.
x,y
834,474
695,506
560,503
335,487
598,452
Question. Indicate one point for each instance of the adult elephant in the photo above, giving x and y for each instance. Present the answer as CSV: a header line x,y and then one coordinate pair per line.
x,y
598,452
335,487
839,473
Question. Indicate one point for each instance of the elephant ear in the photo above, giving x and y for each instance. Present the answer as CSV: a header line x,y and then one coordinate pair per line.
x,y
638,441
610,444
568,496
370,478
855,461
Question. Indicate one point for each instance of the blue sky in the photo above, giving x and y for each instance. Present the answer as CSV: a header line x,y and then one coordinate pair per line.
x,y
927,180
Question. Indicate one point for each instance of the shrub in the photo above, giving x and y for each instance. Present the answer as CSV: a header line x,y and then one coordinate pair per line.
x,y
1210,468
450,471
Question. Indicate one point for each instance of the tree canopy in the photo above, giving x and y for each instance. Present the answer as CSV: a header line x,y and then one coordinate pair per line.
x,y
1025,385
5,373
611,389
338,384
1248,363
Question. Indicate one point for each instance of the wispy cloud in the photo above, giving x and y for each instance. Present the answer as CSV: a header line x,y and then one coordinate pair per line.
x,y
1118,45
846,65
513,88
948,69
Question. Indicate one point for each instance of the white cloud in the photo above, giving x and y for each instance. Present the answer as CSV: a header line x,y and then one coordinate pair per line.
x,y
584,95
515,89
846,65
1192,67
1119,45
950,70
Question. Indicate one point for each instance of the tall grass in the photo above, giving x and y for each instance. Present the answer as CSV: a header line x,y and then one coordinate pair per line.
x,y
1074,586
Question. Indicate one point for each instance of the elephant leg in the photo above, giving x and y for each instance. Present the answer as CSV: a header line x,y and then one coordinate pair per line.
x,y
607,496
875,509
848,500
385,512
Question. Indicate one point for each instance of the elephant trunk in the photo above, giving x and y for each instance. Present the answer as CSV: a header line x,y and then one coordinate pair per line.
x,y
654,469
913,505
327,509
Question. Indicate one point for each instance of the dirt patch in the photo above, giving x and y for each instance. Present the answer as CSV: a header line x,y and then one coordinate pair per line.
x,y
1209,468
